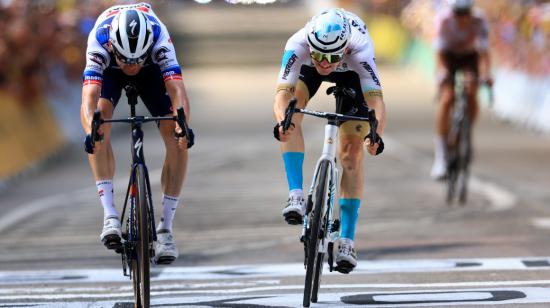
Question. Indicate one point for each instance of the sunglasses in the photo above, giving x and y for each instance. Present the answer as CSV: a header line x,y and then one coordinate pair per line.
x,y
462,12
128,61
331,58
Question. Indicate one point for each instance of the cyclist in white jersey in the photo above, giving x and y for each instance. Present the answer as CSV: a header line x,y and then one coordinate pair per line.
x,y
462,43
334,46
129,44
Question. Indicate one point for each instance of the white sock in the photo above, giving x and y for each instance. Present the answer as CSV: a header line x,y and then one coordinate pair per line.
x,y
348,241
169,205
296,194
440,147
105,191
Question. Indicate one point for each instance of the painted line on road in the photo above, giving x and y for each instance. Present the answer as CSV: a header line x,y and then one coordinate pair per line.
x,y
499,197
411,298
275,270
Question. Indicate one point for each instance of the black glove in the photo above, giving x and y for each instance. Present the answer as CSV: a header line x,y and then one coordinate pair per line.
x,y
88,146
380,143
190,137
276,130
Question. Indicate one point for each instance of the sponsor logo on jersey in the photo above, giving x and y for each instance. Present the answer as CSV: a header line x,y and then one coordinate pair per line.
x,y
97,58
162,54
172,73
289,57
369,69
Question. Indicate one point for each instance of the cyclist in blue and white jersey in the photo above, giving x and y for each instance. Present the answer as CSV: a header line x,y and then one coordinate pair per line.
x,y
129,44
334,46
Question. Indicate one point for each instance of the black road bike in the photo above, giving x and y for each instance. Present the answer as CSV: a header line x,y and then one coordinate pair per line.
x,y
136,247
320,229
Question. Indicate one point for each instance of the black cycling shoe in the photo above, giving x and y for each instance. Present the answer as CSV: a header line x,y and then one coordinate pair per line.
x,y
293,218
112,241
344,267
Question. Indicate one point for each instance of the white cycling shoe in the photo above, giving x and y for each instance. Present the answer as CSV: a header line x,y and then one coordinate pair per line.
x,y
111,233
439,170
165,251
346,259
295,210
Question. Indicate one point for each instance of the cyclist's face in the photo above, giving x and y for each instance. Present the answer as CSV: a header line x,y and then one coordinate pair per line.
x,y
129,69
324,67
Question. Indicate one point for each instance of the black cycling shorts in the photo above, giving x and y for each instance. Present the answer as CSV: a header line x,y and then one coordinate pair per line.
x,y
467,63
149,83
349,79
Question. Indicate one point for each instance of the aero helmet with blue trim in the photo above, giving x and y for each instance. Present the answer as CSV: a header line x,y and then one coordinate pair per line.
x,y
328,32
131,36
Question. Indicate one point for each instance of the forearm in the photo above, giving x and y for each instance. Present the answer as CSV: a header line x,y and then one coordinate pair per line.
x,y
281,103
90,98
178,97
377,103
484,64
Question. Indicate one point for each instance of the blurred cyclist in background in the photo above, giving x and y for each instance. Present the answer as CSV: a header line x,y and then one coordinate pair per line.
x,y
129,44
334,46
462,43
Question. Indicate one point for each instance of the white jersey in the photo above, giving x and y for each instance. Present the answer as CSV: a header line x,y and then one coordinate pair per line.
x,y
474,36
359,58
99,59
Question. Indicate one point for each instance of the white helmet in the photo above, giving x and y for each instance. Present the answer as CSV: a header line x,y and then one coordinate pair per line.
x,y
131,36
461,5
329,32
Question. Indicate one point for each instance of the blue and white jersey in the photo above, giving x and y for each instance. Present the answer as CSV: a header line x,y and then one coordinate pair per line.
x,y
98,57
358,58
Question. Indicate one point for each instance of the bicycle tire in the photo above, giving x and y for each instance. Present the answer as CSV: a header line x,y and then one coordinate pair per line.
x,y
465,154
317,276
143,260
452,172
321,195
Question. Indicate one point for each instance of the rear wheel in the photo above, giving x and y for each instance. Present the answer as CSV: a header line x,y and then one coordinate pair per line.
x,y
315,259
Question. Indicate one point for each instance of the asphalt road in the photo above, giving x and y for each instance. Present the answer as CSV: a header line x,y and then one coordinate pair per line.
x,y
236,250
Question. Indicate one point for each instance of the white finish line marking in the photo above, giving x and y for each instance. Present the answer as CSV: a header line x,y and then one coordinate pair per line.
x,y
416,298
275,270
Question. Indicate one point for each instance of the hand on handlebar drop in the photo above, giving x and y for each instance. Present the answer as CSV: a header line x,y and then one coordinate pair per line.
x,y
184,142
374,148
92,146
280,135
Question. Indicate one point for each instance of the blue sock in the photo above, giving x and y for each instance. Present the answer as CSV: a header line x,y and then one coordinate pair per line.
x,y
293,167
349,211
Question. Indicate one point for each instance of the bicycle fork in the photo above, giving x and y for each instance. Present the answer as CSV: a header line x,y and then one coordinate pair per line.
x,y
329,234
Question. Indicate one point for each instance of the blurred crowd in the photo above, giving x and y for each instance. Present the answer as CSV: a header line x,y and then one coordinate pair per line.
x,y
42,43
519,30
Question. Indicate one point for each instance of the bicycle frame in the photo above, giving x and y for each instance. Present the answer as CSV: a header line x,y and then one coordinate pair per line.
x,y
328,154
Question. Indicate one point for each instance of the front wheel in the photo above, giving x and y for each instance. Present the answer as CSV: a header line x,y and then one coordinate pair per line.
x,y
142,245
314,260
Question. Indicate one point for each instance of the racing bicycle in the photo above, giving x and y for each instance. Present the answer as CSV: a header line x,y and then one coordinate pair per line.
x,y
459,142
136,247
320,228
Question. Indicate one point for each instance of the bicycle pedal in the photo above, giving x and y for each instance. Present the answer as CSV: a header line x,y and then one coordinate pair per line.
x,y
293,218
344,267
165,260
